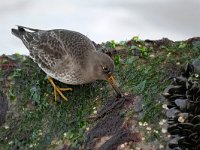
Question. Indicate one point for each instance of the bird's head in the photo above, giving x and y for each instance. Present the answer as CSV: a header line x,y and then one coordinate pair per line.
x,y
103,68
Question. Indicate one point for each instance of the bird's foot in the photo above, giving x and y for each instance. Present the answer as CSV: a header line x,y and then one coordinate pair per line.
x,y
58,90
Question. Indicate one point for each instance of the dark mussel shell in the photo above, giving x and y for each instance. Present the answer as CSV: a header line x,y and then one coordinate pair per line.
x,y
171,121
182,81
189,69
197,128
173,130
194,137
197,109
195,119
173,143
198,98
194,90
185,126
173,89
183,143
177,96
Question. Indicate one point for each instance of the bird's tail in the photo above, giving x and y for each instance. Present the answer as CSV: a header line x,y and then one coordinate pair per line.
x,y
18,32
21,30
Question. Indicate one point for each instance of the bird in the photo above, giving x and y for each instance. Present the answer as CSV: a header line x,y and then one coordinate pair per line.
x,y
67,56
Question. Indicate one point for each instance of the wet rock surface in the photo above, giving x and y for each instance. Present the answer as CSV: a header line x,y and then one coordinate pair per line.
x,y
183,97
111,128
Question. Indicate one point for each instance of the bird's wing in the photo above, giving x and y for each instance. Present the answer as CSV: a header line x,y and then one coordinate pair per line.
x,y
50,48
45,48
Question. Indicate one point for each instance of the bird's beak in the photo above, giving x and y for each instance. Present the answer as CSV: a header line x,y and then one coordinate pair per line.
x,y
113,82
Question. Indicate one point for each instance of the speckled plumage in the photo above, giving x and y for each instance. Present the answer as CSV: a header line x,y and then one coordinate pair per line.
x,y
65,55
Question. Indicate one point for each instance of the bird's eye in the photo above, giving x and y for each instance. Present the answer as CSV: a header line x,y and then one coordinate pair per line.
x,y
106,69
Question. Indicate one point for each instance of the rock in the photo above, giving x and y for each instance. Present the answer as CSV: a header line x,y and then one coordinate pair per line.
x,y
171,113
173,143
182,104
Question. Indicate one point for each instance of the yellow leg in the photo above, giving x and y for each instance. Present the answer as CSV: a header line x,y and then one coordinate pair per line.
x,y
58,89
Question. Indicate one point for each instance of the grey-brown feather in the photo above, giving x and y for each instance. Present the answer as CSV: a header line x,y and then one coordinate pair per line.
x,y
57,43
56,52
